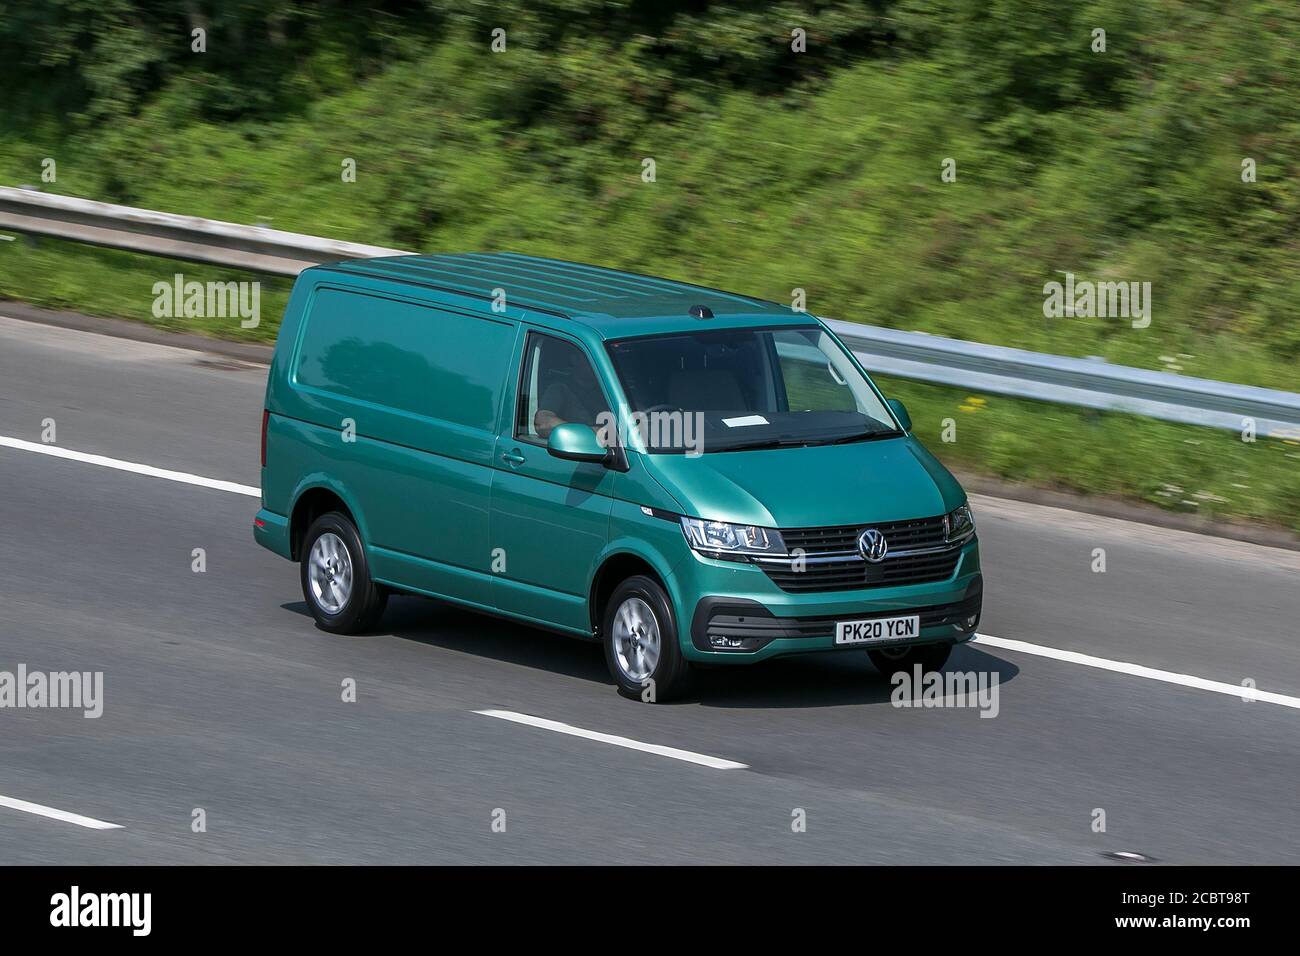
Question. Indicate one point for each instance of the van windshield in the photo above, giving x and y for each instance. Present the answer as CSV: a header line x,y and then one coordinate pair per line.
x,y
738,389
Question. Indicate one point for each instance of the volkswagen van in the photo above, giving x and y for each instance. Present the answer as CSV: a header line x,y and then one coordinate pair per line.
x,y
685,475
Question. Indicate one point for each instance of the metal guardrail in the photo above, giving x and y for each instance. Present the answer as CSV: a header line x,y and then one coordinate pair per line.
x,y
178,237
992,369
1088,383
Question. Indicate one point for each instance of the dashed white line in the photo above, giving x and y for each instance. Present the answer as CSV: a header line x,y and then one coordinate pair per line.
x,y
89,822
131,466
704,760
1139,670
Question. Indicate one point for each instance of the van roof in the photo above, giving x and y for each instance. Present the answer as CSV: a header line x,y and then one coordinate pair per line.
x,y
607,300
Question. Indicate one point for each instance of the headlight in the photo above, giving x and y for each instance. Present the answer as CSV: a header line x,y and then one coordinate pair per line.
x,y
960,524
719,539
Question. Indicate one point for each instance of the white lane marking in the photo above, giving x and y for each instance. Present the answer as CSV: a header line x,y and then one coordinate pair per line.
x,y
88,822
1139,670
131,466
704,760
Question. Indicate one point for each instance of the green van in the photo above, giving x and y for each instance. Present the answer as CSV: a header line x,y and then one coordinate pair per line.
x,y
686,475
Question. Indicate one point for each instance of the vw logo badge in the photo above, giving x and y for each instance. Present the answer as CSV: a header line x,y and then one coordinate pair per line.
x,y
873,545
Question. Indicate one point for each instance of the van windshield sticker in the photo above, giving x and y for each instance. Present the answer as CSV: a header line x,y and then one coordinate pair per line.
x,y
745,420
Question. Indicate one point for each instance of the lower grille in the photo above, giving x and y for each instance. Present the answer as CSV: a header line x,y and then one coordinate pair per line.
x,y
755,626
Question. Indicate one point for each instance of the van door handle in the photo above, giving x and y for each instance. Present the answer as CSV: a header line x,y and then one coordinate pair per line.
x,y
513,458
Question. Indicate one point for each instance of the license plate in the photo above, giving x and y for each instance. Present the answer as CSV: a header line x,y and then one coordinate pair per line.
x,y
878,630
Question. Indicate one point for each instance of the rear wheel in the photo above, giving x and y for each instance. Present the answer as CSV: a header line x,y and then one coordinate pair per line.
x,y
891,660
640,638
336,577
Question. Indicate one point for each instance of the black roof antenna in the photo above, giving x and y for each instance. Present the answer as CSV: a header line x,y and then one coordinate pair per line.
x,y
701,312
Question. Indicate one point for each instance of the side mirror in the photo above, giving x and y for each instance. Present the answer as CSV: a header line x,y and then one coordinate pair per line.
x,y
573,441
900,412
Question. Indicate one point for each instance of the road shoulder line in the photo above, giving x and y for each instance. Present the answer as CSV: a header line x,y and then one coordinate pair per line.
x,y
1239,691
134,467
52,813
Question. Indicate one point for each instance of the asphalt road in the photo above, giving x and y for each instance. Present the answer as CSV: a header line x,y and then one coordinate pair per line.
x,y
221,695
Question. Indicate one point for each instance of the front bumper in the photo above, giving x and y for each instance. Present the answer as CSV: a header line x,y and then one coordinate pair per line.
x,y
734,613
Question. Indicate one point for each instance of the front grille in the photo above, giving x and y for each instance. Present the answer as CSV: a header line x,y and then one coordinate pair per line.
x,y
834,564
901,535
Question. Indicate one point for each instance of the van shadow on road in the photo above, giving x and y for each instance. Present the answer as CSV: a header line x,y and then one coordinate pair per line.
x,y
439,624
832,679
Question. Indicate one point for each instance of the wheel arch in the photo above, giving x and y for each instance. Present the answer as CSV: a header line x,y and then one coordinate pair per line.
x,y
313,499
615,567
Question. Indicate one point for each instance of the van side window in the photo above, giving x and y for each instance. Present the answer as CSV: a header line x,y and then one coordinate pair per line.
x,y
558,386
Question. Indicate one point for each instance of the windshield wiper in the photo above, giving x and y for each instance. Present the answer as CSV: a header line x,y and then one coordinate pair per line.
x,y
808,442
863,436
766,443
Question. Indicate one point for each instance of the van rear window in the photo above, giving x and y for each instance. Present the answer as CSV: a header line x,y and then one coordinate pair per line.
x,y
404,356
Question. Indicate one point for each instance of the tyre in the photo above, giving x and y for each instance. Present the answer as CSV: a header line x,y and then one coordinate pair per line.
x,y
891,660
640,638
336,577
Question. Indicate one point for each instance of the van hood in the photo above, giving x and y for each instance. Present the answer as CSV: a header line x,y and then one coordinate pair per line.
x,y
859,483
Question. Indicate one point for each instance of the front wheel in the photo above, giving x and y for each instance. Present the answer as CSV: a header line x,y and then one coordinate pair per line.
x,y
336,577
640,638
891,660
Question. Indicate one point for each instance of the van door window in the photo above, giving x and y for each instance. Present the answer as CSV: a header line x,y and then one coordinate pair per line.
x,y
558,386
